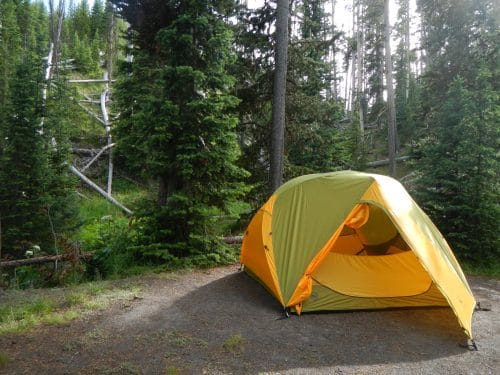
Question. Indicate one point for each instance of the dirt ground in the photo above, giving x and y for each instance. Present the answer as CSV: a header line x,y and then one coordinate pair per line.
x,y
221,321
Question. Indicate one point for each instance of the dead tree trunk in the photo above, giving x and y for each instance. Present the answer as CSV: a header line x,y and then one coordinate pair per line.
x,y
44,259
107,92
99,190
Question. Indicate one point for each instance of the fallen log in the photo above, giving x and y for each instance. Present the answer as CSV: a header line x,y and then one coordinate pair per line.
x,y
99,190
233,239
85,151
90,80
379,163
65,257
43,259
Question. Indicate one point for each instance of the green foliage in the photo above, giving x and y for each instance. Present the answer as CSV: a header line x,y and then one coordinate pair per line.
x,y
84,55
459,183
37,202
314,139
373,23
24,165
177,127
62,201
459,186
29,277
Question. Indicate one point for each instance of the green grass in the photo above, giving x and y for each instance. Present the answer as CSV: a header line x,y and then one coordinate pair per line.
x,y
23,310
233,343
172,370
183,340
4,359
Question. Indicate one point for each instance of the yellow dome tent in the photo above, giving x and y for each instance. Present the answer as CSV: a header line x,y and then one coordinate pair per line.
x,y
350,240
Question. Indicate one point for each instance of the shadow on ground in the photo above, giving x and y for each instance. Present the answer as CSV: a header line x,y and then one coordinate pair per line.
x,y
221,321
237,305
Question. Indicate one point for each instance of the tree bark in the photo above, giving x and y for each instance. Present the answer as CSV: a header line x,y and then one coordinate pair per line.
x,y
379,163
279,94
334,94
0,235
359,53
407,49
391,125
350,106
44,259
162,191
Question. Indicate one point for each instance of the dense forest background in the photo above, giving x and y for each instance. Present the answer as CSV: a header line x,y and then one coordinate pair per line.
x,y
189,90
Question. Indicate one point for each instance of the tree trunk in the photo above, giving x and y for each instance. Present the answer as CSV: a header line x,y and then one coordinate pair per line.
x,y
334,94
407,49
391,126
355,4
44,259
57,36
359,54
279,93
162,190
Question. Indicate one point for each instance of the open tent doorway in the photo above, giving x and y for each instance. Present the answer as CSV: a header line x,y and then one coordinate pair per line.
x,y
371,263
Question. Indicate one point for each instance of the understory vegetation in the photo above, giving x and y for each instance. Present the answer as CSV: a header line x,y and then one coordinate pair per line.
x,y
22,311
188,133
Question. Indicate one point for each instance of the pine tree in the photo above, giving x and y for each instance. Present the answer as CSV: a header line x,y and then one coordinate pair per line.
x,y
10,50
178,113
459,184
373,22
62,203
36,193
459,168
23,166
404,77
314,141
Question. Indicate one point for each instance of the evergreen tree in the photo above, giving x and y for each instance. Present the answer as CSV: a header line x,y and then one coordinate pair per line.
x,y
23,166
373,22
36,193
178,127
314,141
10,50
459,168
62,203
459,186
83,55
98,18
404,77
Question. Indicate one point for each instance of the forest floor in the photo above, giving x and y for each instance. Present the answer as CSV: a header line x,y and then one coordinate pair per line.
x,y
220,321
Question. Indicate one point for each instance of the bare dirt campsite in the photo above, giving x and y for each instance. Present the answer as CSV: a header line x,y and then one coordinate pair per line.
x,y
220,321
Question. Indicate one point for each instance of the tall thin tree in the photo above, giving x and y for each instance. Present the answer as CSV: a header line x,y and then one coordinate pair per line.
x,y
279,91
391,123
